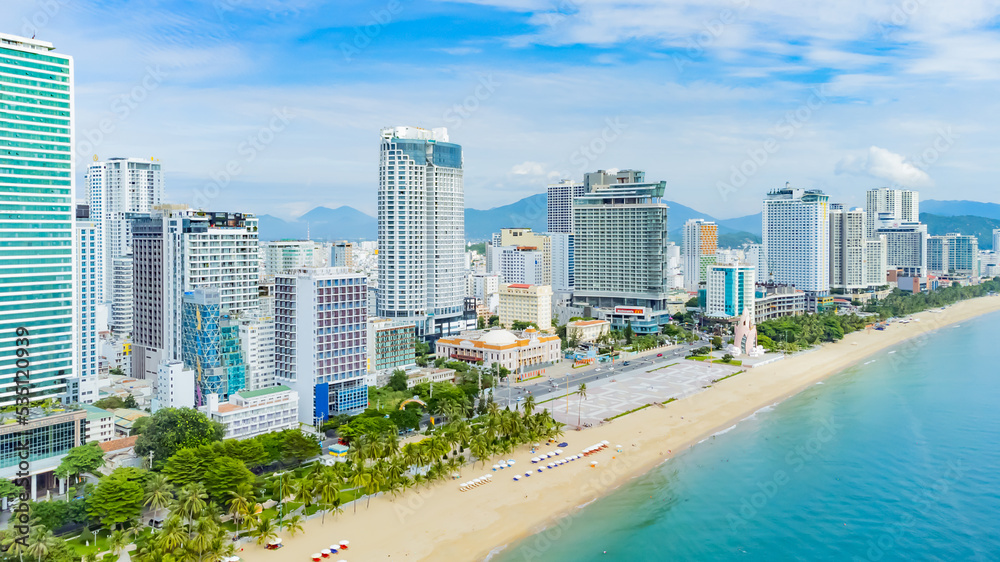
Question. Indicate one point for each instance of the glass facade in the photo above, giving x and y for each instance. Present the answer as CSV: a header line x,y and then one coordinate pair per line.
x,y
36,217
47,436
210,346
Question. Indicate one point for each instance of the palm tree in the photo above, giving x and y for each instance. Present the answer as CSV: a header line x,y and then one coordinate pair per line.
x,y
360,480
582,391
480,448
294,525
117,542
159,494
41,542
241,503
172,536
191,502
204,532
303,491
529,404
328,489
264,530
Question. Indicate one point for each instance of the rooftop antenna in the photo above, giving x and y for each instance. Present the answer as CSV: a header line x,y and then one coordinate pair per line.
x,y
788,185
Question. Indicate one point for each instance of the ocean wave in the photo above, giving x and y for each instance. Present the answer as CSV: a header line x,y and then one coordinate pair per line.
x,y
494,552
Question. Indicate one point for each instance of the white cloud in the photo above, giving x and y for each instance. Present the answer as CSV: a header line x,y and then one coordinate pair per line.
x,y
528,169
885,165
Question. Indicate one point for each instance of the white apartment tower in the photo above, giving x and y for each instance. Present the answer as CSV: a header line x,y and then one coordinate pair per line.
x,y
121,299
886,203
996,240
86,278
857,263
796,239
559,200
117,189
257,340
701,240
224,256
421,230
280,256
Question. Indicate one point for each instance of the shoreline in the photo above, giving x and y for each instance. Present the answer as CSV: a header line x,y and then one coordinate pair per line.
x,y
440,522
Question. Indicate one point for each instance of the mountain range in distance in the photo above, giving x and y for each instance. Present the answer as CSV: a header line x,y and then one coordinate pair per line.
x,y
348,223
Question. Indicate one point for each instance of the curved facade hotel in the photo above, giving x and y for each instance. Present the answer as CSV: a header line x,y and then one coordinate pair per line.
x,y
512,350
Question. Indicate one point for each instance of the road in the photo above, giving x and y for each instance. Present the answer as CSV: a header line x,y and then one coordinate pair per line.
x,y
557,386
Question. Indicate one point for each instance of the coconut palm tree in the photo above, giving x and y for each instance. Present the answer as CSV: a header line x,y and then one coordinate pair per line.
x,y
360,480
241,503
303,491
328,489
41,542
529,405
172,536
582,391
204,533
294,525
480,448
264,530
159,494
191,502
117,542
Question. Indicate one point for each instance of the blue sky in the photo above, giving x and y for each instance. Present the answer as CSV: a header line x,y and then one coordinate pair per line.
x,y
275,106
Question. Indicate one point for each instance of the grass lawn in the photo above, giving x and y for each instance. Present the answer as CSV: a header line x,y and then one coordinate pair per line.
x,y
663,367
733,362
532,378
698,357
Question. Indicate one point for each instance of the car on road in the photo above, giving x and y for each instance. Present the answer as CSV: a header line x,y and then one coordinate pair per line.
x,y
659,355
520,398
597,370
625,364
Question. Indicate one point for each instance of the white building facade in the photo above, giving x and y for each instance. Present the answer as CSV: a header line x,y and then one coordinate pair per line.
x,y
85,244
250,413
559,201
421,230
796,239
889,204
174,386
257,341
729,290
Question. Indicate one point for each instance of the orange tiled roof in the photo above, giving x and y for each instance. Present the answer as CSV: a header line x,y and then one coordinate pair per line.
x,y
117,444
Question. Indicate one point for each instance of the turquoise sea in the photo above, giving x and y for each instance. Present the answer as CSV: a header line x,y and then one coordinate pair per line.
x,y
896,459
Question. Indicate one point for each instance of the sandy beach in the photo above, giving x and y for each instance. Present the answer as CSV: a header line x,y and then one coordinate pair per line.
x,y
441,523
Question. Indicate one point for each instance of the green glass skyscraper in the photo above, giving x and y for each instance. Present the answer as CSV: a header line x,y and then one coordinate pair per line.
x,y
36,219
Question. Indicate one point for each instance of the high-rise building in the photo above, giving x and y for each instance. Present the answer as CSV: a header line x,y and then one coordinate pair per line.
x,y
729,290
342,255
421,230
320,324
559,200
620,231
176,250
953,254
224,256
889,204
675,275
796,245
906,247
257,340
526,303
285,255
211,345
36,259
508,243
85,270
701,240
563,262
117,189
996,240
857,262
121,299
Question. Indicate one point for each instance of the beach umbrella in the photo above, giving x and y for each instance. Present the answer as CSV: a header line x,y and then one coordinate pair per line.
x,y
527,473
325,553
511,462
593,463
317,556
539,470
334,548
495,467
516,478
343,544
534,460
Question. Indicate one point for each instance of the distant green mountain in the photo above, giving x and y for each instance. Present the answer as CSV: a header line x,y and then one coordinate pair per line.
x,y
961,208
737,239
980,227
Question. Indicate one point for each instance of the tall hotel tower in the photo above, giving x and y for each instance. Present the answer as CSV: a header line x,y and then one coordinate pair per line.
x,y
421,230
796,228
37,293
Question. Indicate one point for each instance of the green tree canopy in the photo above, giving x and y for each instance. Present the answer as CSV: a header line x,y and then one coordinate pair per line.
x,y
118,497
173,429
299,447
398,380
85,458
225,476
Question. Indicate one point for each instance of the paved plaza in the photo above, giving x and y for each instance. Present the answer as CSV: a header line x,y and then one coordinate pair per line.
x,y
611,396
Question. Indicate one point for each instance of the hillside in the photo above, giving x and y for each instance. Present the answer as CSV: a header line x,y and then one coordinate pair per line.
x,y
980,227
960,208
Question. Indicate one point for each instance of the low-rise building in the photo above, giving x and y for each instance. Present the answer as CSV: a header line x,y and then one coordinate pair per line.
x,y
125,418
50,435
587,330
526,303
775,301
428,374
100,424
175,386
249,413
512,350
